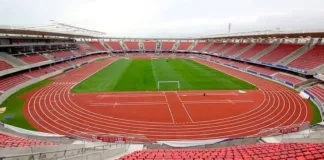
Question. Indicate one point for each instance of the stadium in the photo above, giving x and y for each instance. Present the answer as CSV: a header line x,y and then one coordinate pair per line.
x,y
69,92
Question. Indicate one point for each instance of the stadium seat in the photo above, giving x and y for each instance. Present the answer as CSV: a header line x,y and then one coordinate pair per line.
x,y
241,65
254,50
311,59
132,45
150,46
36,58
224,48
289,78
4,65
213,47
299,151
115,45
85,48
98,46
61,65
7,141
280,52
42,71
183,46
199,46
61,54
12,81
317,91
236,49
167,46
262,70
85,59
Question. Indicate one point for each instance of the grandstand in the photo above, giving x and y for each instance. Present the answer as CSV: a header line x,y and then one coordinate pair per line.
x,y
86,96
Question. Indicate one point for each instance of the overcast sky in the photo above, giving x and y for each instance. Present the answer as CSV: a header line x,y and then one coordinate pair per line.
x,y
167,18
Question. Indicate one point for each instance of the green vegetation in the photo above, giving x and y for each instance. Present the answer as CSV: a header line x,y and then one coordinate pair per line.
x,y
14,106
144,75
316,113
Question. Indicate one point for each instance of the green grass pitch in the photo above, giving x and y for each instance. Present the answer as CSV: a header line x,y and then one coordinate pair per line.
x,y
144,75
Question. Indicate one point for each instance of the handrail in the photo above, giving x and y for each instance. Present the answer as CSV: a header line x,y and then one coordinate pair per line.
x,y
65,150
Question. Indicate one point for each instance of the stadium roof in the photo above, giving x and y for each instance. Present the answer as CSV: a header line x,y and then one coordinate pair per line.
x,y
272,33
52,29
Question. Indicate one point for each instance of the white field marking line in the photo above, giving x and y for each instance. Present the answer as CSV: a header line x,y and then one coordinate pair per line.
x,y
220,101
121,104
169,107
103,95
132,95
233,102
130,103
86,75
207,93
95,115
184,107
115,104
98,116
294,101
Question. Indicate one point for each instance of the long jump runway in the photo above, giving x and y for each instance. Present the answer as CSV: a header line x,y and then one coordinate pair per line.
x,y
164,115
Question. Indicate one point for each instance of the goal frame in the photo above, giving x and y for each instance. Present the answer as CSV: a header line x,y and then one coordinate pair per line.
x,y
168,82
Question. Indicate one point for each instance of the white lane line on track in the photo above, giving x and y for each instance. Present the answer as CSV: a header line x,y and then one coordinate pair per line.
x,y
131,95
126,104
169,108
184,107
207,93
218,101
233,101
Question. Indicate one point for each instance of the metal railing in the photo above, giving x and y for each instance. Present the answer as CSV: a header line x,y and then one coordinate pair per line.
x,y
65,153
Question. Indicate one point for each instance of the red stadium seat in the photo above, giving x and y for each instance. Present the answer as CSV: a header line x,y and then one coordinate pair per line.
x,y
317,91
167,46
7,141
289,78
262,70
224,48
236,49
42,71
98,46
213,47
85,48
12,81
311,59
4,65
183,46
150,45
115,45
199,46
132,45
254,50
33,58
257,151
280,52
61,54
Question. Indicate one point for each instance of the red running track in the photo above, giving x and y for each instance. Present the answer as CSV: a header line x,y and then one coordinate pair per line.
x,y
164,115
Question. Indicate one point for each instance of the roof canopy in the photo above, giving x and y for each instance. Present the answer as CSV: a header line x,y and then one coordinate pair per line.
x,y
52,29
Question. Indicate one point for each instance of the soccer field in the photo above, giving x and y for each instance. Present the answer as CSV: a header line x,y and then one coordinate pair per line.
x,y
144,75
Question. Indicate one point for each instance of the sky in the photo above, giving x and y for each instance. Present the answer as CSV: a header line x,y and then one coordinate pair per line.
x,y
167,18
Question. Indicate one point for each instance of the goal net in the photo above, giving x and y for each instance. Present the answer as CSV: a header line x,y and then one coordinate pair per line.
x,y
168,85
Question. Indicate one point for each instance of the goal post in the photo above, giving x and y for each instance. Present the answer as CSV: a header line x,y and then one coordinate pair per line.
x,y
168,85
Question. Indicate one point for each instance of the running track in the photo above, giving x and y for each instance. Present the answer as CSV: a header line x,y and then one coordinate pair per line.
x,y
164,115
